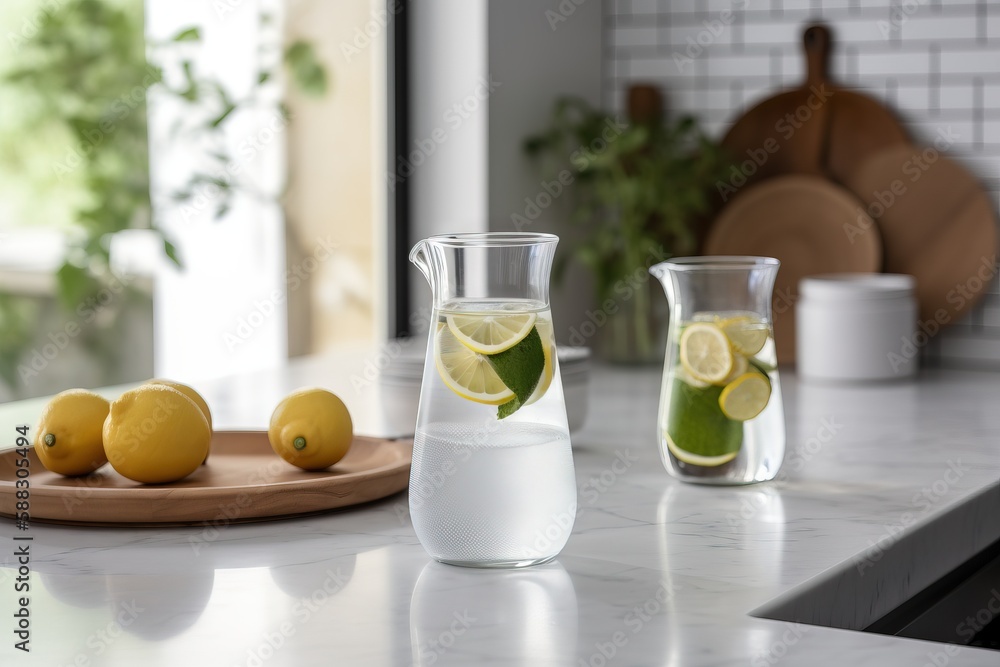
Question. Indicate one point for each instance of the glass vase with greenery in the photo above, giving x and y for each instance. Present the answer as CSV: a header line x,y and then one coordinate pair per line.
x,y
638,190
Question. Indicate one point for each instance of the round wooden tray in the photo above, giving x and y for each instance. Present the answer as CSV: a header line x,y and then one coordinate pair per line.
x,y
244,480
802,221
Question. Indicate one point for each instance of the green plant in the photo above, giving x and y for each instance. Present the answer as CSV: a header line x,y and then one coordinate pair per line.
x,y
638,189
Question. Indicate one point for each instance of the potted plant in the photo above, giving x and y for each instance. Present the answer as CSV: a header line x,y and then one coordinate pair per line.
x,y
639,188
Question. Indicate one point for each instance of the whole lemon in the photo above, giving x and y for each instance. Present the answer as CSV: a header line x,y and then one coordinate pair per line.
x,y
68,438
193,395
190,393
155,434
311,429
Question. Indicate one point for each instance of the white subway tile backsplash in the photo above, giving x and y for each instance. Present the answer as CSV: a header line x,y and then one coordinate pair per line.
x,y
647,6
631,35
915,61
939,65
925,25
971,61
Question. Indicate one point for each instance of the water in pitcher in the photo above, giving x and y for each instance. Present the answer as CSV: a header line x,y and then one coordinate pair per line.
x,y
492,481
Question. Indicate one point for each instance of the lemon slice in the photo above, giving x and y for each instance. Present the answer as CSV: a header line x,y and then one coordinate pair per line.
x,y
745,397
740,366
705,352
489,333
467,373
697,459
747,334
549,350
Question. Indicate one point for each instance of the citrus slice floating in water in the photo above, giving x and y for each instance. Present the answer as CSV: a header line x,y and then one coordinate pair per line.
x,y
745,397
697,432
466,372
747,334
491,333
705,352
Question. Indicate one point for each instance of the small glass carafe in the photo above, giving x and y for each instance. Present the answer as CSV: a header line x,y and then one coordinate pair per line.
x,y
721,419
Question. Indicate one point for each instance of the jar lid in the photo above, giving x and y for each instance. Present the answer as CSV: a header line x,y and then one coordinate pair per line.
x,y
868,286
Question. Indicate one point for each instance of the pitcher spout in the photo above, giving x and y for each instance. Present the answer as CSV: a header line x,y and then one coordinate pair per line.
x,y
418,255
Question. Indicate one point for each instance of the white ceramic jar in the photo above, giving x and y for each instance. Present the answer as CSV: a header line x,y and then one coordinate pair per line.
x,y
856,326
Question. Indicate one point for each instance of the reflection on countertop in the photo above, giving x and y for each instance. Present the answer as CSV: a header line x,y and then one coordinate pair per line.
x,y
656,572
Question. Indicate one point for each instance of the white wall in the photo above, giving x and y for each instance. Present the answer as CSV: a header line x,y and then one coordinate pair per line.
x,y
449,118
538,53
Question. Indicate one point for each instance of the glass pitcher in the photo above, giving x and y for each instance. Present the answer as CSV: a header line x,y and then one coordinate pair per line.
x,y
721,419
492,482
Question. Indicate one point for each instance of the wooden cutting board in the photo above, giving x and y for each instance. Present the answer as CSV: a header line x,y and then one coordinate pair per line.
x,y
937,223
816,128
800,220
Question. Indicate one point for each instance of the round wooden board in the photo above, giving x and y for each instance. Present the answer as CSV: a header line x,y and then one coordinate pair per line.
x,y
244,480
816,128
802,221
937,224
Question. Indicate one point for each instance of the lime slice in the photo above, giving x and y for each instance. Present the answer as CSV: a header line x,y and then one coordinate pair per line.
x,y
467,373
549,350
745,397
697,432
705,352
696,459
520,368
491,333
746,333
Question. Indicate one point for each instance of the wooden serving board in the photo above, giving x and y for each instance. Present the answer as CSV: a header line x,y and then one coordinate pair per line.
x,y
801,221
244,480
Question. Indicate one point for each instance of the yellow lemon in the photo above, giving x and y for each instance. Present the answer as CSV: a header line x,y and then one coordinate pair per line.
x,y
155,434
193,395
190,393
68,438
311,429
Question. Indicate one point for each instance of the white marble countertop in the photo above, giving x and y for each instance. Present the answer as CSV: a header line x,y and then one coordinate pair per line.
x,y
656,572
